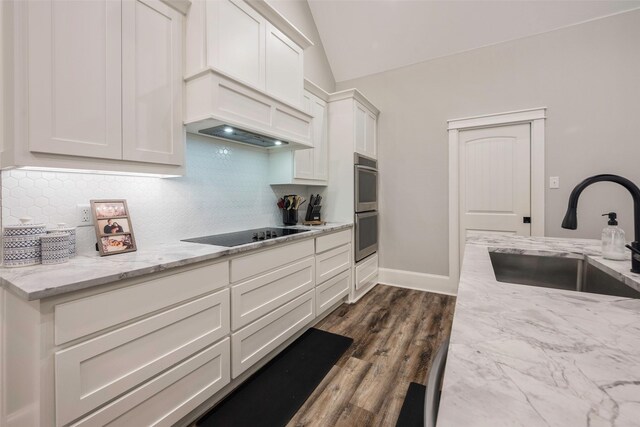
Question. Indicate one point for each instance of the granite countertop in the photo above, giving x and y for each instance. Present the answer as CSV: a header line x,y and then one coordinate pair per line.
x,y
86,271
531,356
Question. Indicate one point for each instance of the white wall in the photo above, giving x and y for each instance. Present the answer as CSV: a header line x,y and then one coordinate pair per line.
x,y
316,65
225,189
587,75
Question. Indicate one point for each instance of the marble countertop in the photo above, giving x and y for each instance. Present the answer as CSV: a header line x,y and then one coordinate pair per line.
x,y
86,271
531,356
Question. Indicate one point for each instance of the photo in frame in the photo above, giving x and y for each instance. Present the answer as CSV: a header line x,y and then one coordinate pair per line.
x,y
113,227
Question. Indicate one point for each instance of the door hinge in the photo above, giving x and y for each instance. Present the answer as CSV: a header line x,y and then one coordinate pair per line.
x,y
526,220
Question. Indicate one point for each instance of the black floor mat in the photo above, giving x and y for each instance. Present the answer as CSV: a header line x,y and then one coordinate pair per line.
x,y
273,395
412,412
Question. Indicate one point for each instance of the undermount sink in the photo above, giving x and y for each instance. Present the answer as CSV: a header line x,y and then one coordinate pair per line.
x,y
558,273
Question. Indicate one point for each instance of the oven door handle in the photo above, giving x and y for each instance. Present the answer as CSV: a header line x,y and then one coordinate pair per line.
x,y
367,168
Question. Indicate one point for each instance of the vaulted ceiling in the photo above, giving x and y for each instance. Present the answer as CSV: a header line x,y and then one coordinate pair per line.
x,y
363,37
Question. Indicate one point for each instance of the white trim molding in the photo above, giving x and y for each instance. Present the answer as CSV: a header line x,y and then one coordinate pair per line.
x,y
420,281
535,117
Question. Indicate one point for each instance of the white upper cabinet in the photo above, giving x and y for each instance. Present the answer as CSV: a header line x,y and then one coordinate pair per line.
x,y
303,166
236,43
284,67
152,82
307,167
101,82
74,78
365,131
249,42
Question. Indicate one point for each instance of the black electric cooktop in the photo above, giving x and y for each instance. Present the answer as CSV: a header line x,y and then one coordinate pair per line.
x,y
243,237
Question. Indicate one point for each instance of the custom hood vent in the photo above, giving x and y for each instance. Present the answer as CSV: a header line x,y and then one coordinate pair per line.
x,y
239,135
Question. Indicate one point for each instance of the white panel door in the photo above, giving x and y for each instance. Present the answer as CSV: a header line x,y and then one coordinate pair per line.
x,y
74,51
495,181
152,82
236,41
304,160
284,67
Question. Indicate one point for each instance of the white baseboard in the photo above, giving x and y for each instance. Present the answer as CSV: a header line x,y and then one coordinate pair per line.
x,y
418,281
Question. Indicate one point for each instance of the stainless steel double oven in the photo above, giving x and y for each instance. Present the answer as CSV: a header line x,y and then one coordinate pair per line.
x,y
366,206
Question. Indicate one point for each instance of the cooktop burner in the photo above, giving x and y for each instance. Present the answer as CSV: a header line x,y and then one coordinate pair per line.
x,y
243,237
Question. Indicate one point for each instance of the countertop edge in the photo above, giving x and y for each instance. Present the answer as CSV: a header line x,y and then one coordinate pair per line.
x,y
157,267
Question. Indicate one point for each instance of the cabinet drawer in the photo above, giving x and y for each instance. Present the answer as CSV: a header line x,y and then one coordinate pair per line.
x,y
331,291
169,397
367,272
260,295
250,265
324,243
255,341
332,262
111,308
92,373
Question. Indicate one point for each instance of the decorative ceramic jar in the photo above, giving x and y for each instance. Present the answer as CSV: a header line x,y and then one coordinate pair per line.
x,y
55,248
22,246
62,228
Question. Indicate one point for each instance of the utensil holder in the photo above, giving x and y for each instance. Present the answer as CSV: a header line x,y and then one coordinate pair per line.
x,y
289,216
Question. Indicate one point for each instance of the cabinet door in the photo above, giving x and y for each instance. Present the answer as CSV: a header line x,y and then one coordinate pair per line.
x,y
152,82
74,54
284,67
360,129
320,143
235,43
371,143
303,167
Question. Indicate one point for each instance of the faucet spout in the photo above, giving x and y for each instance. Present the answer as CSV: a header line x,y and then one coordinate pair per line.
x,y
570,220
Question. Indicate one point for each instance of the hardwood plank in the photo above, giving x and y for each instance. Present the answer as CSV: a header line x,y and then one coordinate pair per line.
x,y
325,408
397,332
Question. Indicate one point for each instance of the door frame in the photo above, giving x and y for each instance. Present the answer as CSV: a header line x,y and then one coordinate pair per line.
x,y
535,117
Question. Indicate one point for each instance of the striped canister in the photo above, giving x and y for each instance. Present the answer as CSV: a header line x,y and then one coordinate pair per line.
x,y
55,248
21,243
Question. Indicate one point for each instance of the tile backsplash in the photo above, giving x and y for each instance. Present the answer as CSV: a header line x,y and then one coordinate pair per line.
x,y
225,188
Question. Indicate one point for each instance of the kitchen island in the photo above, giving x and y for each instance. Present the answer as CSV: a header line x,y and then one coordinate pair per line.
x,y
532,356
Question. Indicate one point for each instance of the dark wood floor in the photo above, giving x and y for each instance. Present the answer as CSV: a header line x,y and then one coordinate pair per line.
x,y
396,332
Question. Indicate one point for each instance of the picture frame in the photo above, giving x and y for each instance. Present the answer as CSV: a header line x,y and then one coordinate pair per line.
x,y
113,227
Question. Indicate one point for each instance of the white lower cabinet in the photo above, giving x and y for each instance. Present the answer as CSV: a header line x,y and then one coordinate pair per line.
x,y
256,297
150,351
255,341
167,398
332,291
332,262
94,372
366,272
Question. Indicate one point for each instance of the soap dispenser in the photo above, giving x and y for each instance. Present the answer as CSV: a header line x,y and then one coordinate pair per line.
x,y
613,239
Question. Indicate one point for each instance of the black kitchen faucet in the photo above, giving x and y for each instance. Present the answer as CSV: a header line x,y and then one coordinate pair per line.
x,y
570,220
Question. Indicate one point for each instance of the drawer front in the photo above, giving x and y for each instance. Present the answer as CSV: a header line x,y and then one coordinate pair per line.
x,y
92,373
332,262
111,308
324,243
367,272
331,291
255,341
169,397
247,266
256,297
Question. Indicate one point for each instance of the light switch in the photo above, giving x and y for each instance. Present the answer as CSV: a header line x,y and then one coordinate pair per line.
x,y
554,182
